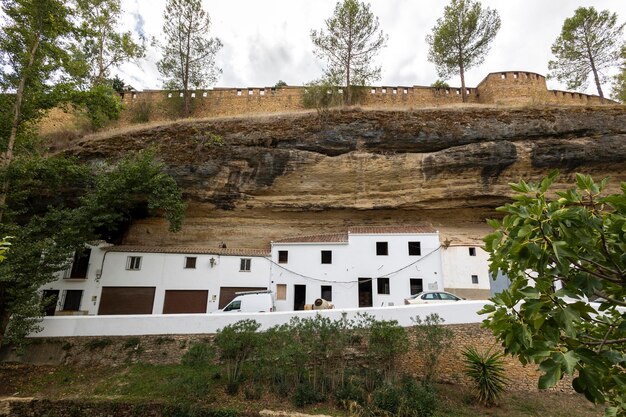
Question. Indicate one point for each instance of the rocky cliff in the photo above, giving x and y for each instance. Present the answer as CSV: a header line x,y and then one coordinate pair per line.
x,y
253,179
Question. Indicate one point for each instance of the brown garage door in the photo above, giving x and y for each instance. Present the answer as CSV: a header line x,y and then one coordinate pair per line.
x,y
126,300
228,293
185,301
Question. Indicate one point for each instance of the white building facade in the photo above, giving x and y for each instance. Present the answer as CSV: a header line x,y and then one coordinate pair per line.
x,y
365,267
135,280
466,271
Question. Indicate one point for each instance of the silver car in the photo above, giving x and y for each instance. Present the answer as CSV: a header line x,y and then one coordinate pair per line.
x,y
428,297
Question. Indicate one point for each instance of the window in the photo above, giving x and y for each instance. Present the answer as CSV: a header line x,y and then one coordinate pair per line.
x,y
190,262
245,264
394,91
382,248
72,300
383,285
193,95
327,292
474,279
472,251
373,91
204,94
80,266
383,90
281,291
283,256
448,297
327,257
235,305
405,91
415,248
417,285
133,263
238,92
250,92
261,92
430,296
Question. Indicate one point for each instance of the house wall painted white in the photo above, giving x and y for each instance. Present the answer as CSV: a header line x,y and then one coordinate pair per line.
x,y
89,286
462,265
353,259
164,271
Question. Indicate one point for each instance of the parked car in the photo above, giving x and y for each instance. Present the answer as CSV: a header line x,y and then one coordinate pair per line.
x,y
428,297
251,302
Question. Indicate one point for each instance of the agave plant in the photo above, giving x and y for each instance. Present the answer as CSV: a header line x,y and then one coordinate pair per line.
x,y
486,369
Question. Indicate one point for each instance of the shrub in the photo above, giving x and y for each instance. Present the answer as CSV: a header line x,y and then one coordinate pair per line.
x,y
431,340
307,394
131,343
141,111
387,398
199,355
419,400
486,369
387,342
235,344
348,393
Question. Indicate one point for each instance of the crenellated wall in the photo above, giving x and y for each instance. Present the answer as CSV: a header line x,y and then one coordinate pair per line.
x,y
510,88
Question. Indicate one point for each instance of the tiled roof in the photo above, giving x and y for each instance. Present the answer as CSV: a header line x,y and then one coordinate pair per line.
x,y
327,238
190,250
372,230
357,230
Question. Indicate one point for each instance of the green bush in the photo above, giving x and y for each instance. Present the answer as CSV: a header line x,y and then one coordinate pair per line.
x,y
199,355
387,398
141,111
487,371
236,343
419,400
307,394
431,341
350,392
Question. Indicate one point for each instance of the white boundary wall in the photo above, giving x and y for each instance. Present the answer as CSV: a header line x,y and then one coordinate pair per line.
x,y
136,325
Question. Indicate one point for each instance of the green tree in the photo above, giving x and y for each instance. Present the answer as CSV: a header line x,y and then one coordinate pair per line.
x,y
100,43
461,38
560,253
349,43
31,52
189,54
588,44
54,207
619,81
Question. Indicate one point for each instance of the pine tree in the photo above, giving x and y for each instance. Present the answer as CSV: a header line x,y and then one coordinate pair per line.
x,y
189,54
349,42
588,44
461,38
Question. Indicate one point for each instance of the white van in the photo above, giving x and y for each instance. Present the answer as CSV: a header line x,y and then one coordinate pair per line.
x,y
251,302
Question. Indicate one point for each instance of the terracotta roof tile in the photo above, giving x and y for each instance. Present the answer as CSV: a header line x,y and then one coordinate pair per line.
x,y
327,238
190,250
367,230
357,230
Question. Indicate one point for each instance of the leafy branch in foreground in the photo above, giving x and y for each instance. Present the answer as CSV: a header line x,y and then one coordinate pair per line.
x,y
565,309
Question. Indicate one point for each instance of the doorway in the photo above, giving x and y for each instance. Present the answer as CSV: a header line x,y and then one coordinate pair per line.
x,y
365,292
299,297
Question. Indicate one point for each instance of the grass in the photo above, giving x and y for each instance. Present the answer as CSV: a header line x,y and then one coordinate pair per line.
x,y
191,387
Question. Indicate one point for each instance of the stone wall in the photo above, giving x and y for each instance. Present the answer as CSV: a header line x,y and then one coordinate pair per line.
x,y
166,349
511,88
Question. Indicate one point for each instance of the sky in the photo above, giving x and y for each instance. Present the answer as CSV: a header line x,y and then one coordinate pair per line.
x,y
267,41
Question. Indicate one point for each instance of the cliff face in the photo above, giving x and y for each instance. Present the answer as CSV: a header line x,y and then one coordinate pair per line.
x,y
308,173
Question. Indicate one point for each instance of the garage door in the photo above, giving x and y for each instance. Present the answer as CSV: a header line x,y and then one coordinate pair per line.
x,y
228,293
185,301
126,300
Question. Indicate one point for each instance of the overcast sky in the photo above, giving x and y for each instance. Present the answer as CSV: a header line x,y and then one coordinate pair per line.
x,y
266,41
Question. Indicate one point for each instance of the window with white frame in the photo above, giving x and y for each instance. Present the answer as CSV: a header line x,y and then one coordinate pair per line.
x,y
472,251
133,263
245,264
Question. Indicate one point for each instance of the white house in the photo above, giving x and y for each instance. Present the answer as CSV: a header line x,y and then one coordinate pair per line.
x,y
364,267
142,280
466,270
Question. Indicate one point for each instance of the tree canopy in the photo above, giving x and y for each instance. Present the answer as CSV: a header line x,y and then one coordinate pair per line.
x,y
100,44
619,81
57,205
589,43
565,255
189,53
348,43
461,38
